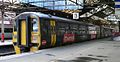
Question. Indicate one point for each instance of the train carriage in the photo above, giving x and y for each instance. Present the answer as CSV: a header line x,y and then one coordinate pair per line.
x,y
106,32
35,30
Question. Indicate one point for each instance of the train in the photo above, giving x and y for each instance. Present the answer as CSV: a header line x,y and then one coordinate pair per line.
x,y
34,30
8,29
8,24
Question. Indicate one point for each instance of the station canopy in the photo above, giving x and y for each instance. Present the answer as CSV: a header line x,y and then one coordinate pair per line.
x,y
100,8
56,4
65,8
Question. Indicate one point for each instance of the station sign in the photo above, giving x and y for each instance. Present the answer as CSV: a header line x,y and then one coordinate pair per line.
x,y
75,15
117,7
117,3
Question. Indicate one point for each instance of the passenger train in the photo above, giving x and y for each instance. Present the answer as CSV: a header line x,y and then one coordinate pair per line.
x,y
34,30
8,29
8,24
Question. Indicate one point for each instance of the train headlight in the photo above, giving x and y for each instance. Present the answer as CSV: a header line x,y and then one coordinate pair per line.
x,y
15,36
34,40
44,42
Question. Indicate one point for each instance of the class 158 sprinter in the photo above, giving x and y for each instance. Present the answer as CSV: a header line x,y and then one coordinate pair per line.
x,y
35,30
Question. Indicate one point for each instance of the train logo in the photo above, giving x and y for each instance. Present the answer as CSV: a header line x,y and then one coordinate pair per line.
x,y
69,38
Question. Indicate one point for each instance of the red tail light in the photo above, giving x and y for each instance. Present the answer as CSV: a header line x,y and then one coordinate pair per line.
x,y
44,42
2,37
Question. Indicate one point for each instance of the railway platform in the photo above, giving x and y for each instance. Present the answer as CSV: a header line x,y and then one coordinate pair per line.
x,y
102,50
6,48
6,42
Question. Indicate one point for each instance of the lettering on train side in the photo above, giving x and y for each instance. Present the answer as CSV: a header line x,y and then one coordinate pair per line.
x,y
68,38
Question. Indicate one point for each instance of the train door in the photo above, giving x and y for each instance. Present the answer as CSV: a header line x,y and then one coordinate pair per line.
x,y
53,32
22,35
27,35
45,32
23,32
48,36
19,36
17,49
92,32
35,34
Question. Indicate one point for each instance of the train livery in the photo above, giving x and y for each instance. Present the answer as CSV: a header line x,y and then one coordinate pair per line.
x,y
34,30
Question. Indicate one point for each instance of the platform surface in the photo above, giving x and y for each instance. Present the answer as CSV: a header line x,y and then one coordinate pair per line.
x,y
6,42
89,51
116,38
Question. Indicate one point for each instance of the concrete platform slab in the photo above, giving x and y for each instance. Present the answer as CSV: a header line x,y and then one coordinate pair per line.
x,y
89,51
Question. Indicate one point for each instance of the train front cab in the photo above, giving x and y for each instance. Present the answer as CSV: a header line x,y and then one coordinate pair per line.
x,y
33,32
26,34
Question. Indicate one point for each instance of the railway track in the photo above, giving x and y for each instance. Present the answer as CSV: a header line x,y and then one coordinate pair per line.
x,y
6,50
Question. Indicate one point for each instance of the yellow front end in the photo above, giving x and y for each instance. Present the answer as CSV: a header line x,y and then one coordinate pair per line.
x,y
26,34
17,49
35,39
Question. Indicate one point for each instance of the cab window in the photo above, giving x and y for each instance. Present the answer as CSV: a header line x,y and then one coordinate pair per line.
x,y
34,25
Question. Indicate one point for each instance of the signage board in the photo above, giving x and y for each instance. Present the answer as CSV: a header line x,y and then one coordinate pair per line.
x,y
75,15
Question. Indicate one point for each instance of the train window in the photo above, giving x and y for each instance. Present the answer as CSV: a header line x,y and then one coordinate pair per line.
x,y
91,28
45,26
8,30
73,26
62,26
35,25
66,26
82,32
82,27
75,31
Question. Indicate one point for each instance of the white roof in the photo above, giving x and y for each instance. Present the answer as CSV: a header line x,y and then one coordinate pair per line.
x,y
39,14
